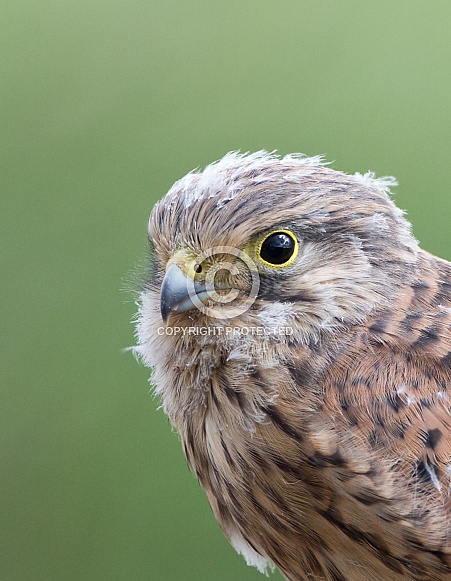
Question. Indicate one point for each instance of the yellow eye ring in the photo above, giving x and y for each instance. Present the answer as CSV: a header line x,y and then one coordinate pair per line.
x,y
278,249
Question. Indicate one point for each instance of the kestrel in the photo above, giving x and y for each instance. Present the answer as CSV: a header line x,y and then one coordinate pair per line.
x,y
300,342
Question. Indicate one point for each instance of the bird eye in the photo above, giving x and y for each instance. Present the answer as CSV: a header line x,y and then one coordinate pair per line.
x,y
278,249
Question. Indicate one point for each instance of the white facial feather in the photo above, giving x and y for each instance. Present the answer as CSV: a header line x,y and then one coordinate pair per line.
x,y
276,314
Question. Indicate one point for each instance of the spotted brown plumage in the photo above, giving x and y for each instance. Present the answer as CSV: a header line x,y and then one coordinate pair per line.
x,y
325,449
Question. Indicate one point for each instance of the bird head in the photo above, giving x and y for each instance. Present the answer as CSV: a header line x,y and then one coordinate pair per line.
x,y
253,232
256,241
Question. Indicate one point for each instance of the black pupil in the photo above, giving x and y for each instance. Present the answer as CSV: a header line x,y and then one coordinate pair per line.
x,y
277,248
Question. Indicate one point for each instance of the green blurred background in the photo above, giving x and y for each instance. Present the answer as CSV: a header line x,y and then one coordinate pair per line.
x,y
104,105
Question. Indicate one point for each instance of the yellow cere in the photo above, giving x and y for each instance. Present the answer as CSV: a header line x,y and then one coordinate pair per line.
x,y
186,260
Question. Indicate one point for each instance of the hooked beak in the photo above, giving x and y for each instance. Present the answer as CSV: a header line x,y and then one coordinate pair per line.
x,y
176,292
